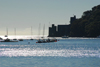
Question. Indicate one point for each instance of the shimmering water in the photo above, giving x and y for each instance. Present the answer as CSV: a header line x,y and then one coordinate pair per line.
x,y
71,52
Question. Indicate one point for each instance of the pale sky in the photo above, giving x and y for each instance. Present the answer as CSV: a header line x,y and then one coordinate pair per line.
x,y
22,14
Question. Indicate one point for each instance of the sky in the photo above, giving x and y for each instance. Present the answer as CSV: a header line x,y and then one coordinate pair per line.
x,y
24,14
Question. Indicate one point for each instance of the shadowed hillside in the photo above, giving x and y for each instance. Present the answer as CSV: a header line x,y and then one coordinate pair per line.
x,y
88,25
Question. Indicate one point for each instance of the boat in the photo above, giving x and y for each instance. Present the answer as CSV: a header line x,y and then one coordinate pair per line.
x,y
64,36
45,40
39,41
20,39
98,36
6,32
48,40
1,38
14,39
31,39
42,40
53,40
6,36
15,35
8,40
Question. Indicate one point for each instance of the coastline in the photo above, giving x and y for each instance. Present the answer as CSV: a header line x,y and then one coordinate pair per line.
x,y
39,37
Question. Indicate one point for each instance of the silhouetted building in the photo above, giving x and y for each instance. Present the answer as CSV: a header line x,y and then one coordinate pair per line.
x,y
72,19
52,31
61,30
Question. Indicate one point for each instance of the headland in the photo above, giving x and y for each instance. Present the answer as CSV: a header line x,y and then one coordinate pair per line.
x,y
86,26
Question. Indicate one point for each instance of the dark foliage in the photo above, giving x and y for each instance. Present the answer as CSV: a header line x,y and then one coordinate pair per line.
x,y
88,25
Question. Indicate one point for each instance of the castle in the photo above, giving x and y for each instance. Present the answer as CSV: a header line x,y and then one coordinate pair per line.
x,y
61,30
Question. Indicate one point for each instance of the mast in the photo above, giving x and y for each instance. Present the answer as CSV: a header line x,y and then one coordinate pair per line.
x,y
6,32
31,31
43,30
15,32
39,30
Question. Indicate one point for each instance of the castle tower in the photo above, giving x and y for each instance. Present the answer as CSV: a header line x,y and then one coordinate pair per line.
x,y
72,19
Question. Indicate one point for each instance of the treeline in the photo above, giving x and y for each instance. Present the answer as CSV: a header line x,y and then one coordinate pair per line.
x,y
88,25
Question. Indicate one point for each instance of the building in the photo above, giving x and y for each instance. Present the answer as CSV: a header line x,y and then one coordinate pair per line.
x,y
61,30
72,19
52,31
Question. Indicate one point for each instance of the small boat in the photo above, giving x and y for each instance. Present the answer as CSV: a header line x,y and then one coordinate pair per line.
x,y
6,32
6,36
41,41
1,38
20,39
53,40
98,36
8,40
64,36
14,39
31,39
46,41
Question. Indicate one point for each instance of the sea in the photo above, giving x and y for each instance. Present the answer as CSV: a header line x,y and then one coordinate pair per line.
x,y
67,52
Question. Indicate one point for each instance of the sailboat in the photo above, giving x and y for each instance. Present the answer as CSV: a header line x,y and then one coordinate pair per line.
x,y
15,34
6,32
40,40
44,40
7,39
